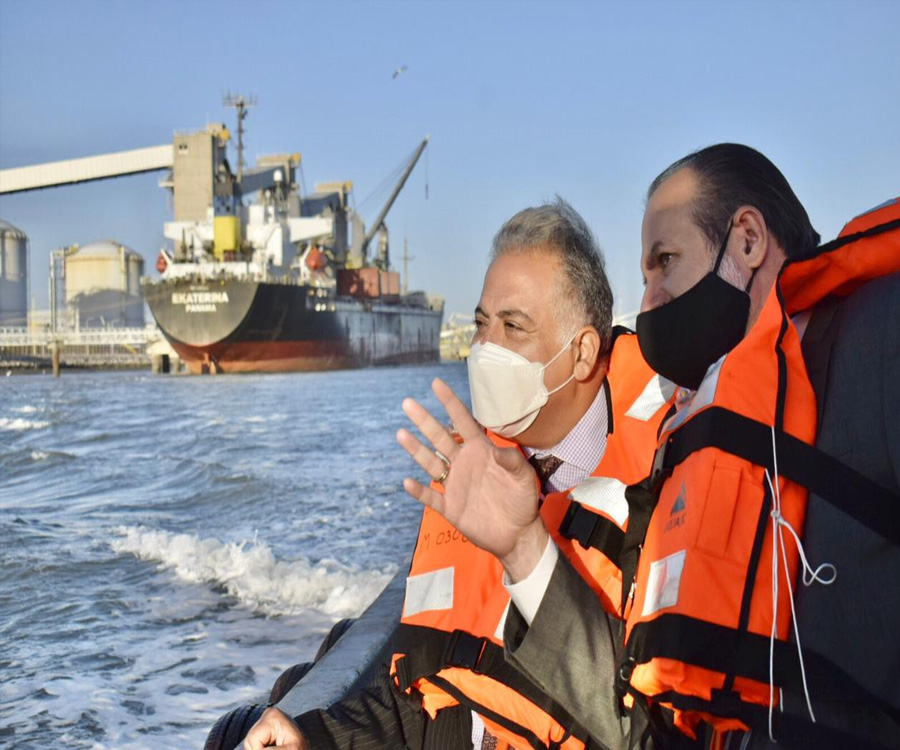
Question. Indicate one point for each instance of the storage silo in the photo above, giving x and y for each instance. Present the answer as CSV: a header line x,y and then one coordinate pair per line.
x,y
13,276
103,285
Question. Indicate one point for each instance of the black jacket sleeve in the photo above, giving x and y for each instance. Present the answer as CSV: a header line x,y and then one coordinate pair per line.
x,y
380,716
376,716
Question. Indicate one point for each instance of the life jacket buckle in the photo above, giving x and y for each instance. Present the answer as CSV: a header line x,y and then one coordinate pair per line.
x,y
578,524
464,650
660,470
623,676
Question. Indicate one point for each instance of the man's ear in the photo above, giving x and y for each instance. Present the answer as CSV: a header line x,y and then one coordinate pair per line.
x,y
751,230
588,347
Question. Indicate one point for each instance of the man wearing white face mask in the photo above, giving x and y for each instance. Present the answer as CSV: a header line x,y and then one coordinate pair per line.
x,y
553,382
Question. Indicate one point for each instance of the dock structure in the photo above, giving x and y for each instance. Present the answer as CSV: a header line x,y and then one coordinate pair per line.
x,y
87,169
96,348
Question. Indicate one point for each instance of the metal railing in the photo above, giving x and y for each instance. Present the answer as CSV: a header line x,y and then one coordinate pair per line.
x,y
20,336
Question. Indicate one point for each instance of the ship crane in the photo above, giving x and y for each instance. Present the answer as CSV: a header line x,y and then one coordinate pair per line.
x,y
379,221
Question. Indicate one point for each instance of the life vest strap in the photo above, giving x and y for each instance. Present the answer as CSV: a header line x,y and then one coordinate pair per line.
x,y
843,487
592,530
464,700
427,651
729,651
788,729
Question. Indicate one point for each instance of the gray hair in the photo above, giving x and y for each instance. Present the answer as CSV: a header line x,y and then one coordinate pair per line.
x,y
559,228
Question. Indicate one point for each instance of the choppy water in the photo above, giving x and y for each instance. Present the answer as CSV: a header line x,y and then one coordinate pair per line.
x,y
170,544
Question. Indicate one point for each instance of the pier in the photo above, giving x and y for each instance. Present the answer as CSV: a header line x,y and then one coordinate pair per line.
x,y
103,348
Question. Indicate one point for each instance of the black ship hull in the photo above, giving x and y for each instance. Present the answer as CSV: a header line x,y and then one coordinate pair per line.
x,y
231,325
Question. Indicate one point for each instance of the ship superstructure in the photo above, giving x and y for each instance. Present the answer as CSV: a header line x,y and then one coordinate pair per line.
x,y
258,275
284,282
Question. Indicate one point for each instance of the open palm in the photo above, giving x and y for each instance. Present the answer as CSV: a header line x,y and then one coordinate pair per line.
x,y
490,494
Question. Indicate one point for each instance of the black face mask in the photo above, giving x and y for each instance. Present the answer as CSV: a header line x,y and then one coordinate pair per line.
x,y
682,338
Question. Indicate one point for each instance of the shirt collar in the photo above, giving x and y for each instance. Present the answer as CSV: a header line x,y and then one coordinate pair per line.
x,y
584,445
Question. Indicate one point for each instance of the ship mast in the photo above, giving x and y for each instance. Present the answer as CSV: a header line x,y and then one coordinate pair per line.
x,y
241,104
406,259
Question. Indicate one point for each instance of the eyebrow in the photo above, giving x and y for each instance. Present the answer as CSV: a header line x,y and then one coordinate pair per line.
x,y
515,313
512,313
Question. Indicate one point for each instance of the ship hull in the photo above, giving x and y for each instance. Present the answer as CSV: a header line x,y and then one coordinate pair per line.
x,y
248,326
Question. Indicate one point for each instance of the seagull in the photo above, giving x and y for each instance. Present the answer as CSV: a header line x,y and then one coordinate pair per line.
x,y
399,70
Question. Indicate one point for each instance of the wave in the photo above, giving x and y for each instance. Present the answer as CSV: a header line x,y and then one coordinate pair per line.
x,y
250,572
25,409
18,424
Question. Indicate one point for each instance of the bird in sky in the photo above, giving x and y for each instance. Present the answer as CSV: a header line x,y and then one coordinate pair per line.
x,y
399,70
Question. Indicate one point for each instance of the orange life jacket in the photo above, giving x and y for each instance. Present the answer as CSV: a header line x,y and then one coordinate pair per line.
x,y
450,641
699,626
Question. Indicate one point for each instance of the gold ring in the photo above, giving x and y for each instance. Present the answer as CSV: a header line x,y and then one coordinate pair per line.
x,y
445,473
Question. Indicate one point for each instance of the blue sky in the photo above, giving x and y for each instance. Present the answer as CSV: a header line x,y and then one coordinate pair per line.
x,y
523,100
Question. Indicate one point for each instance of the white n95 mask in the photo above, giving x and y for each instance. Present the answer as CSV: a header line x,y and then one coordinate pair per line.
x,y
507,390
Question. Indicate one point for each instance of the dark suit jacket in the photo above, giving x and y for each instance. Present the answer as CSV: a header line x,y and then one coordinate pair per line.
x,y
379,716
570,649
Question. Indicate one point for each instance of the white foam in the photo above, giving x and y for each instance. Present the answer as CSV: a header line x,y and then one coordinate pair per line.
x,y
15,425
25,409
250,572
39,455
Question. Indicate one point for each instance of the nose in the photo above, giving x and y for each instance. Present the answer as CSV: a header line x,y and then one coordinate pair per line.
x,y
654,296
486,333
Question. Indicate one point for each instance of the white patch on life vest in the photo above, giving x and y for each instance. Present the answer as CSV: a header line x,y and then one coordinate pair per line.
x,y
663,583
706,393
429,591
704,396
477,731
655,394
604,494
498,633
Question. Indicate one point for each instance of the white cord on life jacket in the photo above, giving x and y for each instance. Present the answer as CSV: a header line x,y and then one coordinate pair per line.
x,y
810,576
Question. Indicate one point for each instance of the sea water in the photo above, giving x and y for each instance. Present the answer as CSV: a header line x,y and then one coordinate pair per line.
x,y
170,544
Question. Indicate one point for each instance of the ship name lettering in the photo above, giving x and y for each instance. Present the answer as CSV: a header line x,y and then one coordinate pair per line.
x,y
199,299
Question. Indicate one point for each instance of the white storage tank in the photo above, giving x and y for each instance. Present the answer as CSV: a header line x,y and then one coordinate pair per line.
x,y
13,276
103,285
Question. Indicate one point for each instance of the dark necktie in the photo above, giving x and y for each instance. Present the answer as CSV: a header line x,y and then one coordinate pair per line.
x,y
545,466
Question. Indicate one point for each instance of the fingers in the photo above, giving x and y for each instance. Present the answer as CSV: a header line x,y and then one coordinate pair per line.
x,y
421,454
462,419
273,728
261,734
431,429
425,495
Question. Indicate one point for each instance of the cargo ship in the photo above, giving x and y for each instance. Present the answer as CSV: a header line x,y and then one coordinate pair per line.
x,y
286,282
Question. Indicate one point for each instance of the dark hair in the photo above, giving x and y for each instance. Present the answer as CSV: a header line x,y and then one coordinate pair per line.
x,y
560,228
731,175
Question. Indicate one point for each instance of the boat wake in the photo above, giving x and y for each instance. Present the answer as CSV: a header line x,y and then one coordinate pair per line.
x,y
250,572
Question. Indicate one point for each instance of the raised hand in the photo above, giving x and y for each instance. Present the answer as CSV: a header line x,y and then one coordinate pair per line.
x,y
490,493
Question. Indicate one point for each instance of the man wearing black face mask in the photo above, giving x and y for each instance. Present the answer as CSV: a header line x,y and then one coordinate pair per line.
x,y
720,227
